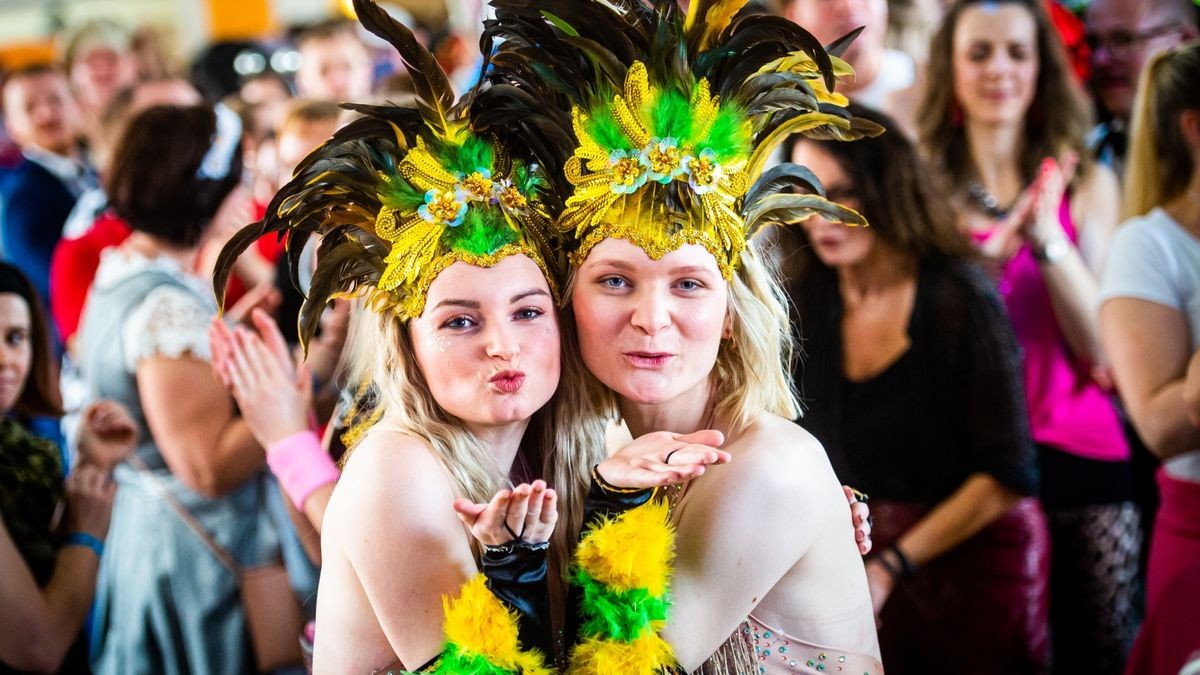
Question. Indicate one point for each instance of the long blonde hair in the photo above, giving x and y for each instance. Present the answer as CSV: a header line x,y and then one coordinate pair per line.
x,y
1160,161
753,372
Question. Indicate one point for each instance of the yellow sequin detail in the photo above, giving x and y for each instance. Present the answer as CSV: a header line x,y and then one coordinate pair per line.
x,y
664,160
511,198
612,197
477,187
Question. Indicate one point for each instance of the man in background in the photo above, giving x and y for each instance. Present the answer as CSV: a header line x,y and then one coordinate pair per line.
x,y
1123,36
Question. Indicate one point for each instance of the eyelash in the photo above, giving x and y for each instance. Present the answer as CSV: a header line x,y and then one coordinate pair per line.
x,y
449,322
623,284
519,315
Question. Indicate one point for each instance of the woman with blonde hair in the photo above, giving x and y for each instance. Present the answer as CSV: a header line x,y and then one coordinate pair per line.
x,y
444,234
684,326
1003,130
1150,322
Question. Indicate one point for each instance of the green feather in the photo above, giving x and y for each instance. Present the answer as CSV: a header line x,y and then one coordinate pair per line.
x,y
560,24
616,615
526,181
603,127
397,193
483,231
671,115
456,661
729,136
475,153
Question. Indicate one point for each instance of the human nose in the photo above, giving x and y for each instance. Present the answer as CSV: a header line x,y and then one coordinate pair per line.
x,y
652,312
502,341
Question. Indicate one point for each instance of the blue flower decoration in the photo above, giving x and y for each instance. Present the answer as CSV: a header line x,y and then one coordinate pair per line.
x,y
629,173
443,207
703,171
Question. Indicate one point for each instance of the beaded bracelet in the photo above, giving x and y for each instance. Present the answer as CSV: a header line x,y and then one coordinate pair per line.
x,y
86,540
609,487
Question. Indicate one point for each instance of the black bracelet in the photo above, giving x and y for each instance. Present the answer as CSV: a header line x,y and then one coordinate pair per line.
x,y
907,567
889,566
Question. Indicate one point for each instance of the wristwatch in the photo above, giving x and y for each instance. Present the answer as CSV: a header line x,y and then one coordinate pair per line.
x,y
1052,251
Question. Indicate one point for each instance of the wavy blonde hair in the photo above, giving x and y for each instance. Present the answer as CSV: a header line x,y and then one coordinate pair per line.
x,y
752,373
565,438
1160,161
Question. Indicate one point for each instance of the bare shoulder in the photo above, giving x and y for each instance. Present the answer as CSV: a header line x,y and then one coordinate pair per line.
x,y
392,480
775,441
780,461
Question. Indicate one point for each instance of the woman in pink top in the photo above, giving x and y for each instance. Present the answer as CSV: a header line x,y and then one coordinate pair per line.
x,y
995,134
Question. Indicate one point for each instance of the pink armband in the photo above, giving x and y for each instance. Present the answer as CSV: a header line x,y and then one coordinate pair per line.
x,y
301,466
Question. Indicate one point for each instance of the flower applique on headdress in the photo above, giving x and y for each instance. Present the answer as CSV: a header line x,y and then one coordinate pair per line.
x,y
401,194
675,117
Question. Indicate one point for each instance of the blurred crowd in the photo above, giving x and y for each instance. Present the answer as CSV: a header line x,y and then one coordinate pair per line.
x,y
1007,361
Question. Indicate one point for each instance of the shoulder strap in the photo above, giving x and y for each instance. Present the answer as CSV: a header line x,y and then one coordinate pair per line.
x,y
157,486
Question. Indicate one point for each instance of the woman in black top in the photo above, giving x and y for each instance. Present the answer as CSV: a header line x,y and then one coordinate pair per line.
x,y
912,382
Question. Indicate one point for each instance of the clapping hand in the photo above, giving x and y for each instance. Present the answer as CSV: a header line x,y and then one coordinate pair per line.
x,y
274,393
106,436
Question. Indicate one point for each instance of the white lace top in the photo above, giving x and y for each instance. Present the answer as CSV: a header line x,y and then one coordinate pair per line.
x,y
171,321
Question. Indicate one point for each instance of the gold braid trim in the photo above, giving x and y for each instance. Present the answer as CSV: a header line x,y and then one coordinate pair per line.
x,y
412,305
656,245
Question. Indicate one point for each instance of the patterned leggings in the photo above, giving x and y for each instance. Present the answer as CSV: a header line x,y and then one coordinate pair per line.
x,y
1094,590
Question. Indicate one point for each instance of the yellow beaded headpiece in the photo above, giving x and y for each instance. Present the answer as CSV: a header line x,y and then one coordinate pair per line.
x,y
401,194
674,117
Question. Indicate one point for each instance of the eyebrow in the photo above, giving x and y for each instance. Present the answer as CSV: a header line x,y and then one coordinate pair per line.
x,y
525,294
452,302
614,262
691,269
474,304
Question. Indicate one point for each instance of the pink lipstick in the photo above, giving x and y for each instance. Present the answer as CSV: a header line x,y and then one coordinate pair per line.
x,y
508,381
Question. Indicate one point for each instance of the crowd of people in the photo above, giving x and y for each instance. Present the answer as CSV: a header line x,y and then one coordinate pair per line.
x,y
561,352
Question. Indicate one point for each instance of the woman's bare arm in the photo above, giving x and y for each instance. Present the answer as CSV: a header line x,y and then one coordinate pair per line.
x,y
1150,352
190,416
38,625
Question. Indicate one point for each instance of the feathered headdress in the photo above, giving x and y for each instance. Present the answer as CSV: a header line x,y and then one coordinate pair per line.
x,y
674,116
400,194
